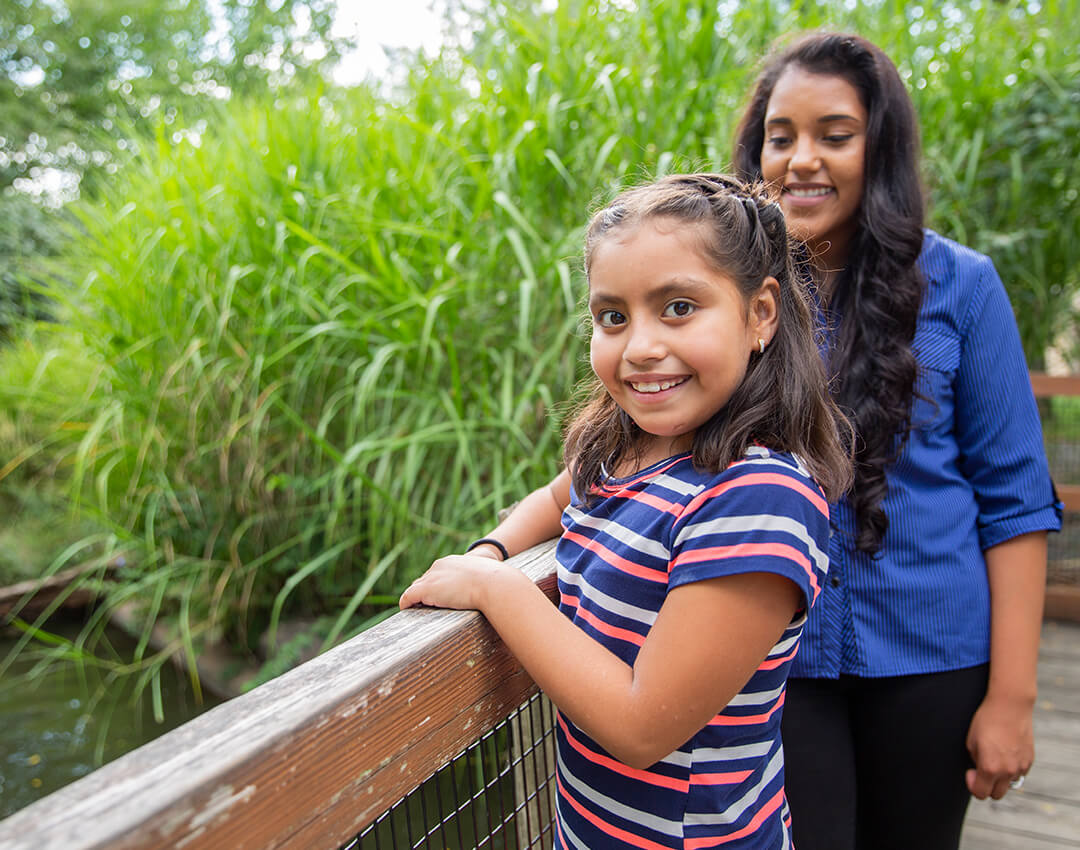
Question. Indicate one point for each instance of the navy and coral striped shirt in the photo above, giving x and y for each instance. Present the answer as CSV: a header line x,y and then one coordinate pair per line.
x,y
667,526
972,474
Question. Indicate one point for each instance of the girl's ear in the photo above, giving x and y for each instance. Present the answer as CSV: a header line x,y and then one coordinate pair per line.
x,y
764,315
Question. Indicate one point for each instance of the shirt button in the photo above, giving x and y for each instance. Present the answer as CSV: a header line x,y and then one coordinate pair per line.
x,y
834,581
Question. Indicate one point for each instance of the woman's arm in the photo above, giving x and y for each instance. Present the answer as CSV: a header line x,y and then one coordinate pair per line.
x,y
536,518
708,639
1000,739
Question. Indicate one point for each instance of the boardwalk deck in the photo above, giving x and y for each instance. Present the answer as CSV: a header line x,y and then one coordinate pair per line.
x,y
1045,814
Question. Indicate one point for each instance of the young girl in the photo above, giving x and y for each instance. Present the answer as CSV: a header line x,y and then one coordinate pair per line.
x,y
694,525
915,683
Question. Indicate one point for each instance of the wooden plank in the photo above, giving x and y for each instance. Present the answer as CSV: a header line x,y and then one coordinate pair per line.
x,y
1062,602
1050,780
1056,724
1059,680
1024,813
1060,640
307,759
1046,386
978,836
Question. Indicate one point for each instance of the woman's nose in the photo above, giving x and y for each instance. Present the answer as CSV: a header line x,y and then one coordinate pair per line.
x,y
804,158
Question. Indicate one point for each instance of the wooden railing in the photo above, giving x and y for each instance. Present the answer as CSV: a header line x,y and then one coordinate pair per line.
x,y
308,759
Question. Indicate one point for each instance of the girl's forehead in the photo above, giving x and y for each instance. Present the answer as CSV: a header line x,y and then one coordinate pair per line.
x,y
679,239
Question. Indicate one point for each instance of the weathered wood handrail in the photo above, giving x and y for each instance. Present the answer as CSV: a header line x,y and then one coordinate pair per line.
x,y
308,759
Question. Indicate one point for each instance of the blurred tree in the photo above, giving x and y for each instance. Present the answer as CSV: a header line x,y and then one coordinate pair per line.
x,y
77,75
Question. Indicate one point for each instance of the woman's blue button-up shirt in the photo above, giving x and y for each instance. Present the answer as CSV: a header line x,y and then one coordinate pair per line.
x,y
972,474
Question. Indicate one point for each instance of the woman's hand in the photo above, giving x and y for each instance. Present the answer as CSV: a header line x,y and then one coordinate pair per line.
x,y
1002,745
455,581
1000,739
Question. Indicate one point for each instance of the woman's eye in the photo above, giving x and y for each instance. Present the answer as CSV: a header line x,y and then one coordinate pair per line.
x,y
678,309
779,141
838,139
610,318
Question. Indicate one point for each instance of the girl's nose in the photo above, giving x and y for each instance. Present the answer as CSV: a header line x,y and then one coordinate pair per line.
x,y
644,344
804,158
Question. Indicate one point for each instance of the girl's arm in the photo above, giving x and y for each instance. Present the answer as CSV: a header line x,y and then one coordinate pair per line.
x,y
1000,739
708,639
536,518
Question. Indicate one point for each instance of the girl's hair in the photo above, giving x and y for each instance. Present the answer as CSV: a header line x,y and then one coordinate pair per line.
x,y
876,297
783,401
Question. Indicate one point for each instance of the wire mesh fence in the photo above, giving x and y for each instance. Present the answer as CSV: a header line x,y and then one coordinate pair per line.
x,y
499,794
1061,434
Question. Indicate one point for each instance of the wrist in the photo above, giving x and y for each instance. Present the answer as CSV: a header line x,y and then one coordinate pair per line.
x,y
500,584
491,548
1011,694
485,550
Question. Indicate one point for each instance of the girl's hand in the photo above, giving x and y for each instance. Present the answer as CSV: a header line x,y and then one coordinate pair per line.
x,y
1002,745
455,581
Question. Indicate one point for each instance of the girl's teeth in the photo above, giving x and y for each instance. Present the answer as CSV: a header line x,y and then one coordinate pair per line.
x,y
656,386
809,193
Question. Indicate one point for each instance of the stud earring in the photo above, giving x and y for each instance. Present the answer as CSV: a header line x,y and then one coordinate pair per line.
x,y
761,345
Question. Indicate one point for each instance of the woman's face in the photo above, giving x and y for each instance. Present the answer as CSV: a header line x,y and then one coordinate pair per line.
x,y
815,150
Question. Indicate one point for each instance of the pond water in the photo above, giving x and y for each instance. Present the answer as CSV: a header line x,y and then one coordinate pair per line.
x,y
61,725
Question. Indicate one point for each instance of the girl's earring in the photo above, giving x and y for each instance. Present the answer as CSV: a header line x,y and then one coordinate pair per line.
x,y
761,345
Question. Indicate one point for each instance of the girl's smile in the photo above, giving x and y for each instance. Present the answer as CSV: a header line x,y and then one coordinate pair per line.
x,y
672,336
653,385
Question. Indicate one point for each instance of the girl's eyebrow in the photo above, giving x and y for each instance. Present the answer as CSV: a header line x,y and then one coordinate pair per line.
x,y
678,286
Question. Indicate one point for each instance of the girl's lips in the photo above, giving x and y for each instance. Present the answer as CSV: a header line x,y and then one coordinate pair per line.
x,y
655,389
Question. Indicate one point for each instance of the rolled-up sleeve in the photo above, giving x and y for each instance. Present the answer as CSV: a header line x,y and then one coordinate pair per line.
x,y
997,421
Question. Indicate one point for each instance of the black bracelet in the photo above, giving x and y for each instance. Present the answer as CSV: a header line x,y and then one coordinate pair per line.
x,y
492,542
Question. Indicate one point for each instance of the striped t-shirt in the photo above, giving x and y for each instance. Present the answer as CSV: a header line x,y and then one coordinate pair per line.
x,y
666,526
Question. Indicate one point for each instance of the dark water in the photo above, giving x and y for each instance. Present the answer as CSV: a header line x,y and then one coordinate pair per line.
x,y
58,726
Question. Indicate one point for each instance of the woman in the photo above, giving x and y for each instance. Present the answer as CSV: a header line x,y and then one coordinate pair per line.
x,y
915,681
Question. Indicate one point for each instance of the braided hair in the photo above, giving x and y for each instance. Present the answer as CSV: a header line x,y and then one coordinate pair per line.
x,y
875,299
783,401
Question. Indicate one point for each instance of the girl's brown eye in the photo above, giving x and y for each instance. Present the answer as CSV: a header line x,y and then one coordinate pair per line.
x,y
609,318
679,309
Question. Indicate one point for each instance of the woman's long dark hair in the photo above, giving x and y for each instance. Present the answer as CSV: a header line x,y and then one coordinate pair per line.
x,y
876,297
783,401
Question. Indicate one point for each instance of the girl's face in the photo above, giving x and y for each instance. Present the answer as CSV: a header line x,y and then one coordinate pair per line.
x,y
815,150
671,335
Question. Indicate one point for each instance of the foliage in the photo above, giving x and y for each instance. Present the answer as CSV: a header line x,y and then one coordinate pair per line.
x,y
70,69
1008,187
29,235
328,338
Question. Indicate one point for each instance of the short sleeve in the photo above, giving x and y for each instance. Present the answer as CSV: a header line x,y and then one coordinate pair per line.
x,y
997,422
763,515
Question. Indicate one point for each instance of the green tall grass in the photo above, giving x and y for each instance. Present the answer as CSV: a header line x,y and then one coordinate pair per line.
x,y
330,338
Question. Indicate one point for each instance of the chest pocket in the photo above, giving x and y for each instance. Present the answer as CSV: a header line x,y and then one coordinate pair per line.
x,y
938,355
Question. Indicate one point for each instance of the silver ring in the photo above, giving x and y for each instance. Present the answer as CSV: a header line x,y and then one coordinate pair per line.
x,y
1017,783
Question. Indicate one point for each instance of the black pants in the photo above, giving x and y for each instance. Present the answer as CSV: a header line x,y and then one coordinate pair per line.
x,y
878,764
